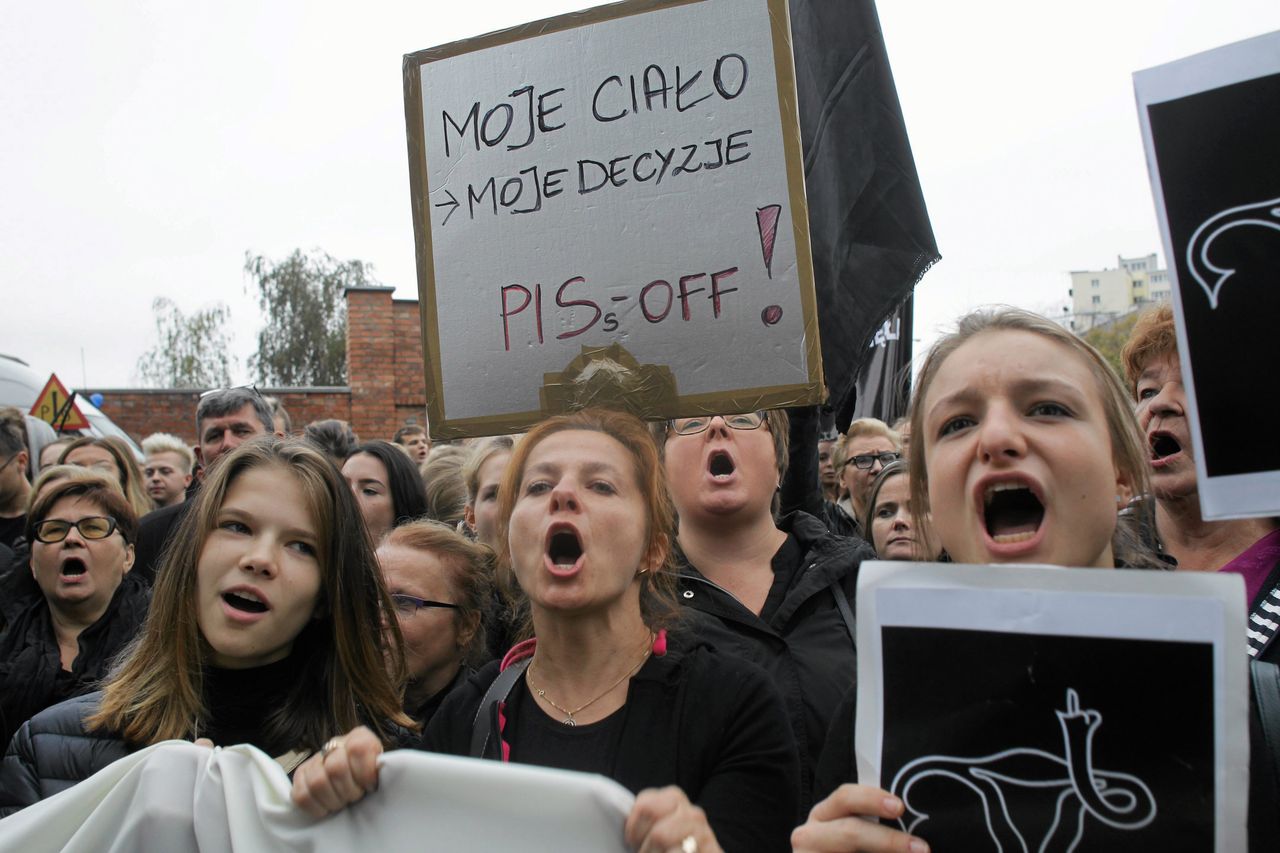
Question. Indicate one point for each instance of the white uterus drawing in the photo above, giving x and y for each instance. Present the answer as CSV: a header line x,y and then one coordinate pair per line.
x,y
1209,275
1078,791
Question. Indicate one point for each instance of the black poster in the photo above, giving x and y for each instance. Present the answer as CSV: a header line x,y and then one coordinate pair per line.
x,y
1218,154
1049,743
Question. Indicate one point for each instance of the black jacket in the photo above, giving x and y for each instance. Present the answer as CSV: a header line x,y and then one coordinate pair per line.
x,y
54,751
706,722
155,529
806,646
31,674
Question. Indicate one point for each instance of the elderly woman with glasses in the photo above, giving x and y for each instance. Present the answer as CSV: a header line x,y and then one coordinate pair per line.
x,y
439,581
869,445
68,615
774,591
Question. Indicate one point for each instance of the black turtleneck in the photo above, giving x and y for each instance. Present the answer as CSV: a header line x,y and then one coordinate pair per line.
x,y
240,701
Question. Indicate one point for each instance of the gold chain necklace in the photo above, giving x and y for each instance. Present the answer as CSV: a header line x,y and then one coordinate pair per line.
x,y
569,720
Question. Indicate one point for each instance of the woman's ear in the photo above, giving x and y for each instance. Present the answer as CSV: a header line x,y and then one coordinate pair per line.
x,y
130,554
1124,488
657,554
469,516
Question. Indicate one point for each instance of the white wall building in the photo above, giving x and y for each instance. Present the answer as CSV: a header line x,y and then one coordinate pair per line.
x,y
1100,296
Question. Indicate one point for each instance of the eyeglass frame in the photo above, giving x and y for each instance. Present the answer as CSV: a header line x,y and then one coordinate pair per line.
x,y
112,527
759,413
398,598
872,458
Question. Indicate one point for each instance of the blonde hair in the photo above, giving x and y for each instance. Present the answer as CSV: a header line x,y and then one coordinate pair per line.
x,y
1128,451
479,453
55,474
865,428
442,478
130,476
163,442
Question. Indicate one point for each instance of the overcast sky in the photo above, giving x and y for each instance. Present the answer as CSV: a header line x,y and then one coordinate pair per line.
x,y
147,145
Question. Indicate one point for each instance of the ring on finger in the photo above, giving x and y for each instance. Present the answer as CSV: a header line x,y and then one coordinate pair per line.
x,y
689,845
332,744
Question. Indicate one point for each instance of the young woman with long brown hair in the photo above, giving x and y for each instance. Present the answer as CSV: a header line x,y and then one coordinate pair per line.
x,y
265,628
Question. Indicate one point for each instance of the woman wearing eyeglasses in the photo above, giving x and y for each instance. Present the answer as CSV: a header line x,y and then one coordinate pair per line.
x,y
439,584
68,616
868,447
774,591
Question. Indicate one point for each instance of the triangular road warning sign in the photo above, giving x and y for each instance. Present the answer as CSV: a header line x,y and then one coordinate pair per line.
x,y
57,407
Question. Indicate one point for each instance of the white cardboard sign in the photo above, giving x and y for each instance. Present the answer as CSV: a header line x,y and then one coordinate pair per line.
x,y
618,190
1099,708
1211,130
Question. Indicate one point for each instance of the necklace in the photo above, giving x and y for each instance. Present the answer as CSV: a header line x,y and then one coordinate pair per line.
x,y
568,714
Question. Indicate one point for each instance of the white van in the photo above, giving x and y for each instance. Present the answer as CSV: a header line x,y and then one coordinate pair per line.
x,y
20,386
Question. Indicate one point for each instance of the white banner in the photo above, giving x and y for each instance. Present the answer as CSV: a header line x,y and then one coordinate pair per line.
x,y
177,797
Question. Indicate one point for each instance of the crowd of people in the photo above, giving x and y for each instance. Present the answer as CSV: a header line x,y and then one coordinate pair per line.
x,y
668,604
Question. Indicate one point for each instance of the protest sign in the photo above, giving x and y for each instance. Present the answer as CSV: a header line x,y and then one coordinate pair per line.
x,y
1211,128
609,207
1068,708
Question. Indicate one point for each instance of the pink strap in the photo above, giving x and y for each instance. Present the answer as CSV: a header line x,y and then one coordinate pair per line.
x,y
519,651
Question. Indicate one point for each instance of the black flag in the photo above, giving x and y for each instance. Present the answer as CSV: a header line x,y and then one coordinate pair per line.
x,y
883,387
869,229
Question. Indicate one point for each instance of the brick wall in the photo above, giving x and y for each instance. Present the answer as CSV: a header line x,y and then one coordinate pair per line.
x,y
411,392
384,371
142,411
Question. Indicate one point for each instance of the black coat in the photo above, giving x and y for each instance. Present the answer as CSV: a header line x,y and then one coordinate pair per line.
x,y
155,529
805,646
706,722
54,751
31,675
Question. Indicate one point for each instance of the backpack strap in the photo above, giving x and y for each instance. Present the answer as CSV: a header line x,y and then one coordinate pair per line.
x,y
1266,690
485,724
846,613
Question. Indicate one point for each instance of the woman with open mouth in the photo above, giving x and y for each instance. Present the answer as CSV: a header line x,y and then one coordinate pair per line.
x,y
775,591
1247,546
66,616
1024,446
610,683
242,642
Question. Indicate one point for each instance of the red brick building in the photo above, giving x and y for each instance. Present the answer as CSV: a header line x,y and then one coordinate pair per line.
x,y
385,387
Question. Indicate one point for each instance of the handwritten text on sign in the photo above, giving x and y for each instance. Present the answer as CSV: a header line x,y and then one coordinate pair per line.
x,y
624,181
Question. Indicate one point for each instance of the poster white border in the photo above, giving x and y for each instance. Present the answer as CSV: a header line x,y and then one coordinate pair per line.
x,y
1235,495
1192,607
